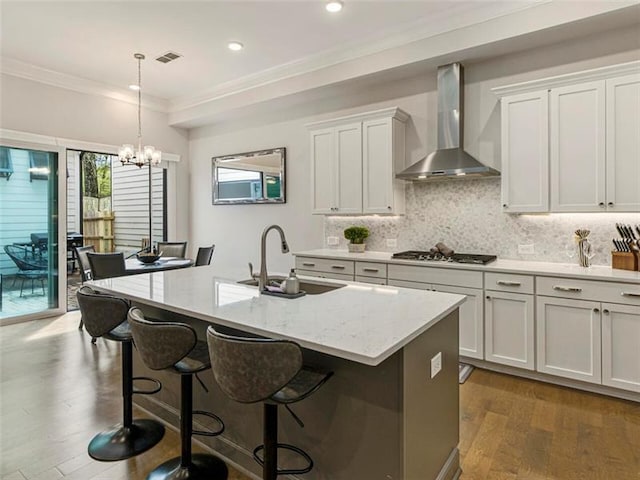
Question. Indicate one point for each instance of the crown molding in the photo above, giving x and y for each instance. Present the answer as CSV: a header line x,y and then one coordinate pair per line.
x,y
449,20
594,74
20,69
391,112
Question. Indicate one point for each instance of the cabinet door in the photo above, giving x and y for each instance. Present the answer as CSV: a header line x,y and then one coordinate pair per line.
x,y
568,334
471,320
577,144
623,144
377,166
525,152
509,329
348,174
323,170
621,346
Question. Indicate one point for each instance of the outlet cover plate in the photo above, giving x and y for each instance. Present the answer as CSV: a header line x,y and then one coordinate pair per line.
x,y
436,364
392,242
526,249
333,241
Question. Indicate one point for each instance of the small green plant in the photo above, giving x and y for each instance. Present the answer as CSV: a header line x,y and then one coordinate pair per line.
x,y
356,235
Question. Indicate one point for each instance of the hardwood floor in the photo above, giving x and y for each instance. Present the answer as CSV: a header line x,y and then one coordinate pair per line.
x,y
57,391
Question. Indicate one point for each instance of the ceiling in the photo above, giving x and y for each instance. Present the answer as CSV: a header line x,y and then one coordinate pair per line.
x,y
96,40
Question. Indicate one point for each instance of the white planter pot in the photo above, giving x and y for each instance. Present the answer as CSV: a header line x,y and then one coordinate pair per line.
x,y
356,247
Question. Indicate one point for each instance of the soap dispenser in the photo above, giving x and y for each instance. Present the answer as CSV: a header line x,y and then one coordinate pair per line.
x,y
292,283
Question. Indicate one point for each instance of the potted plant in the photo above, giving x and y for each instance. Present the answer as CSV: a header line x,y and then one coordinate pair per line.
x,y
356,237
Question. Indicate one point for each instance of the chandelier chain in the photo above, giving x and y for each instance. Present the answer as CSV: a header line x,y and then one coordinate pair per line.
x,y
139,105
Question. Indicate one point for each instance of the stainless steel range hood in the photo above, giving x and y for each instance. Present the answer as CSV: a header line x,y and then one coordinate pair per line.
x,y
449,160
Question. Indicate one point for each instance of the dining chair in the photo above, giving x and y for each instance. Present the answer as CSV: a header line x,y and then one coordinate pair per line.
x,y
85,270
173,249
106,265
204,256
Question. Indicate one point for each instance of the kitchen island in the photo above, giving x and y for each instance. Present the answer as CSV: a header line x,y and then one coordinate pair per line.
x,y
382,416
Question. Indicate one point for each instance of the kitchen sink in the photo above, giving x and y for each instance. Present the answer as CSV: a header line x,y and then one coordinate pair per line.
x,y
311,287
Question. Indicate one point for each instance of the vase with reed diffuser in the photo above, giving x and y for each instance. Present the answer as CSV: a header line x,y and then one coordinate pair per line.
x,y
585,249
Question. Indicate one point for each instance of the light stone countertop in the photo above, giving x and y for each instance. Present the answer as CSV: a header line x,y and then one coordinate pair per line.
x,y
566,270
359,322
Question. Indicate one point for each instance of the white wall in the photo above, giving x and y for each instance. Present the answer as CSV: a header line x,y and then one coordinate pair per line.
x,y
236,229
47,110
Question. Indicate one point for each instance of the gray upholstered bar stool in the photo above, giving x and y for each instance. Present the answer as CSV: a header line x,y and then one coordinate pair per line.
x,y
252,370
174,347
106,316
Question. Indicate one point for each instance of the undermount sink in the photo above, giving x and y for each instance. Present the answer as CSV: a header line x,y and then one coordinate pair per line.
x,y
311,287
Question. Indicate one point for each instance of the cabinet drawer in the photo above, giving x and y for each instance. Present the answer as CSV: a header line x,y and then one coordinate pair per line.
x,y
507,282
416,285
373,280
442,276
335,276
371,269
625,293
325,265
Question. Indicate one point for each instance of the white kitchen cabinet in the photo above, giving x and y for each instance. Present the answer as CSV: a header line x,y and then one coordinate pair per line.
x,y
621,346
577,147
354,160
623,143
569,338
509,329
525,152
383,156
336,160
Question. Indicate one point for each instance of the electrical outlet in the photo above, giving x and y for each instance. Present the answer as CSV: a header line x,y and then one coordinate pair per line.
x,y
333,241
526,249
436,364
392,242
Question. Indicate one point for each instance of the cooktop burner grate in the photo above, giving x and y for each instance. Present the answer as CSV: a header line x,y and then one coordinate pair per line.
x,y
438,257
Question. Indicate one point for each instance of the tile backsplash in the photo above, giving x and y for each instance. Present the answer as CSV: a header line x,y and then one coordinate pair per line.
x,y
467,216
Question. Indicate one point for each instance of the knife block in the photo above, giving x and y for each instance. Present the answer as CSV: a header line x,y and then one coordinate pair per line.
x,y
624,260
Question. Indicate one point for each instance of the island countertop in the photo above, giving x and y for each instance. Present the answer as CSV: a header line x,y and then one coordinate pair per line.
x,y
358,322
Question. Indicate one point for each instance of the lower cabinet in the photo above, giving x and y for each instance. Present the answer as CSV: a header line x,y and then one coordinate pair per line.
x,y
509,329
621,346
568,335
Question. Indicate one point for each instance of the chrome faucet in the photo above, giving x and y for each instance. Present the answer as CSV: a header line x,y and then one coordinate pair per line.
x,y
262,282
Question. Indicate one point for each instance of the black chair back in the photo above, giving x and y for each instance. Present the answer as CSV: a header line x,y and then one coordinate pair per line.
x,y
204,256
106,265
83,260
101,312
173,249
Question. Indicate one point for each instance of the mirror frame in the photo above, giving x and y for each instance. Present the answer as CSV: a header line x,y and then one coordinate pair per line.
x,y
219,161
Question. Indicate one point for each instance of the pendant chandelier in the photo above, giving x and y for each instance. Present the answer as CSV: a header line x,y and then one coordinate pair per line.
x,y
148,155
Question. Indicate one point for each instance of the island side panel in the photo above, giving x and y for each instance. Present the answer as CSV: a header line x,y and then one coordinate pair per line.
x,y
353,424
431,405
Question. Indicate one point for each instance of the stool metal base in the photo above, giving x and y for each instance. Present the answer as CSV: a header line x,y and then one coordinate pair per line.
x,y
202,467
120,443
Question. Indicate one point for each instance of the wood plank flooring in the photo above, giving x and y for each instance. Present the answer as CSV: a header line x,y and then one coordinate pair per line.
x,y
57,391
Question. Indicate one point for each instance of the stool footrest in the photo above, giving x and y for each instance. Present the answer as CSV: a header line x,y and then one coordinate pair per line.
x,y
289,471
138,391
204,433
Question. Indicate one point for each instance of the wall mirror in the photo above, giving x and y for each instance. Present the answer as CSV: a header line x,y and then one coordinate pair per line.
x,y
250,177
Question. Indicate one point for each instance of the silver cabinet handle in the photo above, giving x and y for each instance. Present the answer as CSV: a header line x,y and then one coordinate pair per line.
x,y
605,311
338,267
508,284
389,207
596,310
370,270
488,297
601,204
308,264
610,204
630,294
567,289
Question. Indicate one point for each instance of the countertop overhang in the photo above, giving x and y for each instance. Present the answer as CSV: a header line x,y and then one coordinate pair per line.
x,y
359,322
565,270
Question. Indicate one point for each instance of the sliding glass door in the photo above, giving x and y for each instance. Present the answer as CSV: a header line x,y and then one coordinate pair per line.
x,y
31,273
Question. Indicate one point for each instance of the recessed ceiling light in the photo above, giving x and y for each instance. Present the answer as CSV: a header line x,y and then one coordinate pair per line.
x,y
134,87
235,46
334,6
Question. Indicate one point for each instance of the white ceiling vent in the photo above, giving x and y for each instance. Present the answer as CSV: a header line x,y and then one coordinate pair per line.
x,y
168,57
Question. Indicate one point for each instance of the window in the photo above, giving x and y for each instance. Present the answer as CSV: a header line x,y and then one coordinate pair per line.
x,y
6,165
39,165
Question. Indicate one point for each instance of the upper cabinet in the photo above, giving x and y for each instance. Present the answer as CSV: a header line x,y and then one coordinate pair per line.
x,y
354,161
572,145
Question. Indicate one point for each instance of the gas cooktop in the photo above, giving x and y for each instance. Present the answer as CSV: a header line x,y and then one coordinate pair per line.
x,y
438,257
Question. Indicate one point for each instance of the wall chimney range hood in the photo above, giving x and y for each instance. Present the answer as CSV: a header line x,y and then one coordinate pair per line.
x,y
449,161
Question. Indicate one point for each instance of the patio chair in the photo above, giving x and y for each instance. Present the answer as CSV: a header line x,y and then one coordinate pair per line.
x,y
173,249
30,267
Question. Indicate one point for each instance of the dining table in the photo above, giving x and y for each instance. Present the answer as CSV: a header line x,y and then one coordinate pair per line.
x,y
133,266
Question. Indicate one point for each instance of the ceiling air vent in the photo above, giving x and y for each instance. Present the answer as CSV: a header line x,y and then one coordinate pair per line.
x,y
168,57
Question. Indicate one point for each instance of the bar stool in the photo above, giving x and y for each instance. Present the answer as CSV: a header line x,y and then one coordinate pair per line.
x,y
252,370
174,347
106,316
